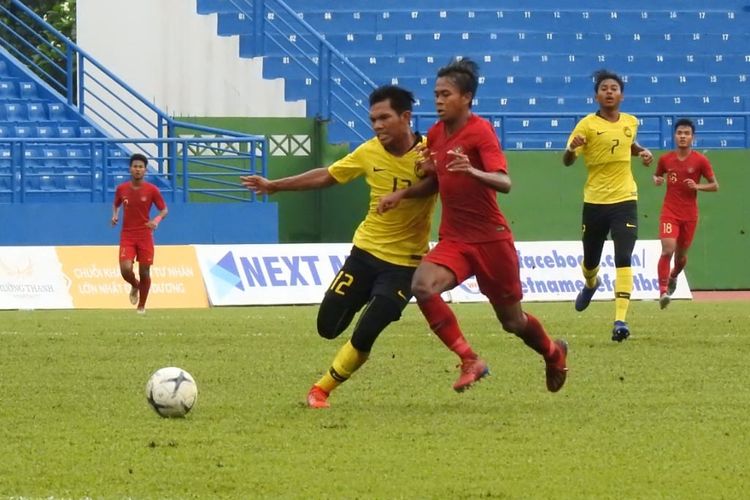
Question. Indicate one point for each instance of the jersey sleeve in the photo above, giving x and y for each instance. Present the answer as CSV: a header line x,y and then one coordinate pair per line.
x,y
661,166
490,152
707,170
118,196
348,168
581,129
158,199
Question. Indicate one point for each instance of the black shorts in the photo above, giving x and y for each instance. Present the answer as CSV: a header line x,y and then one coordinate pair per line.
x,y
618,219
363,276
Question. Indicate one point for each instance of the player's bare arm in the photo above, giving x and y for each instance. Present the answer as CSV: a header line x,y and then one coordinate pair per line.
x,y
115,214
658,180
569,157
422,189
312,179
644,153
496,180
426,163
154,223
711,186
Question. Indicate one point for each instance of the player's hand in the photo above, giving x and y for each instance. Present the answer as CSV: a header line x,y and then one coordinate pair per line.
x,y
577,142
257,184
152,224
390,201
426,162
658,180
690,183
646,157
114,220
459,163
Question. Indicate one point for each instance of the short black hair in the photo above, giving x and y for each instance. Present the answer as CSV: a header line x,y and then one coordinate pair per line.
x,y
684,122
138,157
464,73
603,74
401,99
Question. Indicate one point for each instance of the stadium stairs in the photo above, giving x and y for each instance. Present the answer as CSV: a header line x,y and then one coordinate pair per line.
x,y
679,58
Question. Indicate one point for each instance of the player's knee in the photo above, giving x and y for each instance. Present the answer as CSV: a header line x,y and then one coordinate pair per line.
x,y
421,289
378,314
332,320
513,325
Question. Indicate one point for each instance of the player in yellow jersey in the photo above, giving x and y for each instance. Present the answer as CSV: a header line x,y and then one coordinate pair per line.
x,y
607,140
387,247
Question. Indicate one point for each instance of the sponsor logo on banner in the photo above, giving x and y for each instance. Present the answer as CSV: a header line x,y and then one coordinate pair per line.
x,y
551,271
95,280
31,278
270,274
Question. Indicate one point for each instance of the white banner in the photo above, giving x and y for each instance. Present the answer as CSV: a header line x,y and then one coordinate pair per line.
x,y
551,271
301,273
32,278
269,274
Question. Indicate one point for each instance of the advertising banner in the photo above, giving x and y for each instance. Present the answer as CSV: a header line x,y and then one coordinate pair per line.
x,y
95,281
551,271
32,278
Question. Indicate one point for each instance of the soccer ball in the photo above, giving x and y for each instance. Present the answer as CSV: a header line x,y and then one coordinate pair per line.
x,y
171,392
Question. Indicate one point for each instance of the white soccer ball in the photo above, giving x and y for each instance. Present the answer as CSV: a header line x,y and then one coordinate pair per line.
x,y
171,392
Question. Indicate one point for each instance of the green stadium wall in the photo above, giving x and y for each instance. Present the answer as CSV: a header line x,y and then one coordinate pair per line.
x,y
544,203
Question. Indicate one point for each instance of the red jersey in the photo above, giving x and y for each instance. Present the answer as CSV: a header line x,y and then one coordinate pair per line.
x,y
136,204
680,202
470,211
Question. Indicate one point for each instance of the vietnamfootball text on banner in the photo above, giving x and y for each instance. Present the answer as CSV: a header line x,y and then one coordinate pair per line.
x,y
32,278
551,271
95,280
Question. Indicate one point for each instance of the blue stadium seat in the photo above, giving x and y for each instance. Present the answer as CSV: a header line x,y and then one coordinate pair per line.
x,y
66,132
35,111
5,131
56,111
7,90
233,23
87,132
24,131
27,90
14,112
45,131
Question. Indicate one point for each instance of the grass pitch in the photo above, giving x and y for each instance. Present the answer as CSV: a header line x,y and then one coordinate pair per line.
x,y
662,415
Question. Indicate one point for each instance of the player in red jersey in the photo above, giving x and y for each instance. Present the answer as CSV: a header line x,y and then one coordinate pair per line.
x,y
682,170
475,239
137,235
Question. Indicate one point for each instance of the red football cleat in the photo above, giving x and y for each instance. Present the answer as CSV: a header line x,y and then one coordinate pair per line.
x,y
557,370
472,370
317,398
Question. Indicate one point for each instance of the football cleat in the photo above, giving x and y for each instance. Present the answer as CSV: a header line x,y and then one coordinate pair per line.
x,y
620,331
585,295
133,295
317,398
557,370
472,370
671,285
664,300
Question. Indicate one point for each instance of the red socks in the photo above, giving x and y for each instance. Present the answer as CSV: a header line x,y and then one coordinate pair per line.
x,y
663,271
536,337
143,289
443,322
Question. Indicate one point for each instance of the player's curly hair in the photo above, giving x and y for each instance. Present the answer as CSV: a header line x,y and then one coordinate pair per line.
x,y
401,99
604,74
464,73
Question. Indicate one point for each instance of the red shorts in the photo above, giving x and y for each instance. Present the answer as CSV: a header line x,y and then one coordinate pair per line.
x,y
681,230
140,248
494,263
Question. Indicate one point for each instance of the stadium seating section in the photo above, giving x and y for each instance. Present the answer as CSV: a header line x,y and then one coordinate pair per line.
x,y
52,170
678,58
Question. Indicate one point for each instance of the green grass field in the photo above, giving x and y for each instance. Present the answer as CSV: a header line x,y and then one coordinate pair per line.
x,y
662,415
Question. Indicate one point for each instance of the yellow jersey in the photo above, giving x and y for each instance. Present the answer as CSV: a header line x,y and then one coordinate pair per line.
x,y
401,235
607,157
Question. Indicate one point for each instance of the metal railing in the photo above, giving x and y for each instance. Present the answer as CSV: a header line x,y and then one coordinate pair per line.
x,y
199,169
660,137
342,89
99,96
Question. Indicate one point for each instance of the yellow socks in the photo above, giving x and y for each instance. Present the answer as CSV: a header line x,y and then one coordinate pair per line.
x,y
623,287
590,275
347,361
